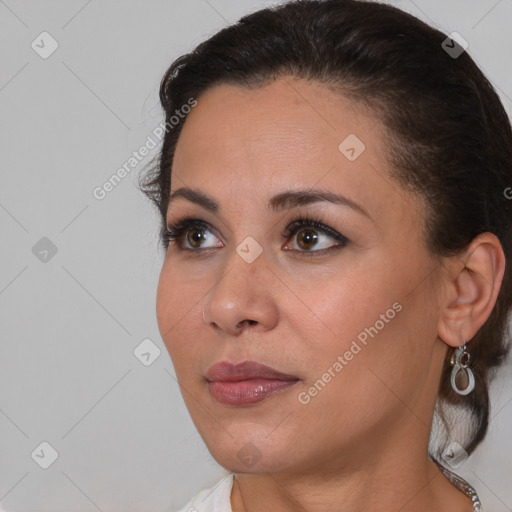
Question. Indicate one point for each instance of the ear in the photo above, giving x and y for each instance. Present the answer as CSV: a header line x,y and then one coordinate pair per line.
x,y
472,284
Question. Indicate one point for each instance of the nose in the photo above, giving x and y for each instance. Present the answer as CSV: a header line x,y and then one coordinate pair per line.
x,y
243,297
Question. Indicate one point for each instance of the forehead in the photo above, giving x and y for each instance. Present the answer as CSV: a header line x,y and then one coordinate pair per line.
x,y
246,145
286,116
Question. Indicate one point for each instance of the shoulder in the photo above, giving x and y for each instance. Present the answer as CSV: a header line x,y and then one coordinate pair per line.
x,y
213,499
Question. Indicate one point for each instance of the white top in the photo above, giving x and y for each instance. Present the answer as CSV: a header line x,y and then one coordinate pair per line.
x,y
214,499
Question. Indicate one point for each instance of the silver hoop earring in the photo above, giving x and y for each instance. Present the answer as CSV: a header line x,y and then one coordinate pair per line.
x,y
461,373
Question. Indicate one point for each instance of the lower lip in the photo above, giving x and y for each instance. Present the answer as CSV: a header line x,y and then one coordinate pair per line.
x,y
247,392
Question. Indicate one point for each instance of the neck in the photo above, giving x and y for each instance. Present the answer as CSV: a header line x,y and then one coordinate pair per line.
x,y
394,480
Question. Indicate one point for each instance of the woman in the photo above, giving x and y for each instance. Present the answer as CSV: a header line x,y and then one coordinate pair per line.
x,y
332,189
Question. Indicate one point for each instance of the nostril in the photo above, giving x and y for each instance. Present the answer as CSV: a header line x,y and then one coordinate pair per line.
x,y
250,322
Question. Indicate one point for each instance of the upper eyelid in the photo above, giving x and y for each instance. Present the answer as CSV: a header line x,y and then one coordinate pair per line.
x,y
296,213
185,222
301,222
196,216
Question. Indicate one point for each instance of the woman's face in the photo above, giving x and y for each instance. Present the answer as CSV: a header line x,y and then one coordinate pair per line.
x,y
348,311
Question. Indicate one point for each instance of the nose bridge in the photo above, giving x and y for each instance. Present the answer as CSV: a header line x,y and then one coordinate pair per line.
x,y
246,260
242,292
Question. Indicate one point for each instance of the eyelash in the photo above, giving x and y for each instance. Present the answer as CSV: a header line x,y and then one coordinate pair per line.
x,y
178,230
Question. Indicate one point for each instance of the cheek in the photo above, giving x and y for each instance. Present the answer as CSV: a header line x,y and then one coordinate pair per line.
x,y
178,315
349,327
331,313
375,346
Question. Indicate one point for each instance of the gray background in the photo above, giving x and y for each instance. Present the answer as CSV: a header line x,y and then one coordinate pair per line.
x,y
70,324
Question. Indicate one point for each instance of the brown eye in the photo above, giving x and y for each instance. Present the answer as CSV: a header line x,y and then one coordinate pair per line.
x,y
190,235
306,238
195,237
312,236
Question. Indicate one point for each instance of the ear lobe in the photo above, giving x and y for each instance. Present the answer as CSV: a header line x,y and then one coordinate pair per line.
x,y
475,288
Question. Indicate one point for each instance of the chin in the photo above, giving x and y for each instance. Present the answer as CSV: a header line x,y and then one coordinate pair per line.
x,y
249,450
250,459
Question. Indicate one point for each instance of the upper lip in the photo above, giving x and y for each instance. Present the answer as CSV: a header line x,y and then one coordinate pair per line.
x,y
246,370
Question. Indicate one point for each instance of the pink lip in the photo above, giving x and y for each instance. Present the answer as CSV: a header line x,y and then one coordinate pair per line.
x,y
246,383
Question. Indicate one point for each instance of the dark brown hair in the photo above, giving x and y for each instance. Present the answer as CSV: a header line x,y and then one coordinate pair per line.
x,y
448,136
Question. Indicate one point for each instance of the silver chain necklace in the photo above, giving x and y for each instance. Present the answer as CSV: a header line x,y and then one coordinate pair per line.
x,y
463,485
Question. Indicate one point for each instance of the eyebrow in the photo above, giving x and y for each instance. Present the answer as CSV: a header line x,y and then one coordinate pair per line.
x,y
290,199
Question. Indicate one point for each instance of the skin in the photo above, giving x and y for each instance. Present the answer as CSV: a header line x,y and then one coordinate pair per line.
x,y
361,443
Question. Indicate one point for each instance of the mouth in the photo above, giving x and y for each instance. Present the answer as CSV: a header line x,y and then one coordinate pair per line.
x,y
246,383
